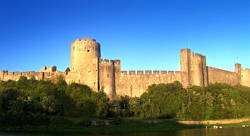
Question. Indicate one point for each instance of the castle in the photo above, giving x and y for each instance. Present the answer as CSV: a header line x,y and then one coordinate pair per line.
x,y
88,68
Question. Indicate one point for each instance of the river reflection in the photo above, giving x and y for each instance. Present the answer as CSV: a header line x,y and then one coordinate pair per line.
x,y
191,132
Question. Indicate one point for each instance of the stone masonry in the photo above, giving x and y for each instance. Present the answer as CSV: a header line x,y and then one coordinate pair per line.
x,y
87,67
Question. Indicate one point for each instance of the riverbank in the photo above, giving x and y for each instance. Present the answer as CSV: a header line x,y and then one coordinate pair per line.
x,y
124,127
127,126
215,122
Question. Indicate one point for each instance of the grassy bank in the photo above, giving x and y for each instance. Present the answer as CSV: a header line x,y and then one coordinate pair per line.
x,y
235,124
127,126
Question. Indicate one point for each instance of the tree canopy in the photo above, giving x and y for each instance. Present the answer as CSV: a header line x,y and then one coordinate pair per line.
x,y
33,102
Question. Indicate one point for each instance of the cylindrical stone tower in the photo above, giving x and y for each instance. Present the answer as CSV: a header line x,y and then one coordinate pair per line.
x,y
85,55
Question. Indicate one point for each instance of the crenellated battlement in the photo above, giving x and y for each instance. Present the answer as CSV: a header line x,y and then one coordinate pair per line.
x,y
86,41
149,72
117,62
18,73
106,61
111,62
87,67
3,71
5,75
14,73
48,69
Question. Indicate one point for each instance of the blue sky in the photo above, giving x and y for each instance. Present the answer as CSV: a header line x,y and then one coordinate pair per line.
x,y
143,34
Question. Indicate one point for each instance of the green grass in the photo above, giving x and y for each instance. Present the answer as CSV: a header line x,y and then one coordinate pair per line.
x,y
127,126
234,125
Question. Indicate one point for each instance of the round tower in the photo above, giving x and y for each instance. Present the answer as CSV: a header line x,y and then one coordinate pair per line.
x,y
85,54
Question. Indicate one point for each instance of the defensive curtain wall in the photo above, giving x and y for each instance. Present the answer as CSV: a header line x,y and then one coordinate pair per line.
x,y
87,67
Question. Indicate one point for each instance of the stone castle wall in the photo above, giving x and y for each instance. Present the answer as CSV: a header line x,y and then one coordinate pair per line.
x,y
135,83
5,75
216,75
245,77
88,68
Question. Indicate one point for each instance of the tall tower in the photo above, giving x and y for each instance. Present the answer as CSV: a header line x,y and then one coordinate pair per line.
x,y
198,70
85,56
185,63
238,68
194,65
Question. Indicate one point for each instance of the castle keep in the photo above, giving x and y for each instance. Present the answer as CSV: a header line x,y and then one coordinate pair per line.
x,y
88,68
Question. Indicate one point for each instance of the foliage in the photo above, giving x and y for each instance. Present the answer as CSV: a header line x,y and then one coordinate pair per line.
x,y
33,102
216,101
28,101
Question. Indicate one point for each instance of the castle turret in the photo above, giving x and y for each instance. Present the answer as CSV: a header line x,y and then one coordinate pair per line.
x,y
238,68
198,70
185,63
244,74
107,77
85,55
194,65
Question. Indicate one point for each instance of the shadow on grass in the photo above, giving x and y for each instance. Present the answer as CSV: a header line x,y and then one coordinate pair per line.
x,y
125,126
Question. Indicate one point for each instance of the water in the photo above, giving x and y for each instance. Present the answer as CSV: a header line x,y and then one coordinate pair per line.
x,y
191,132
